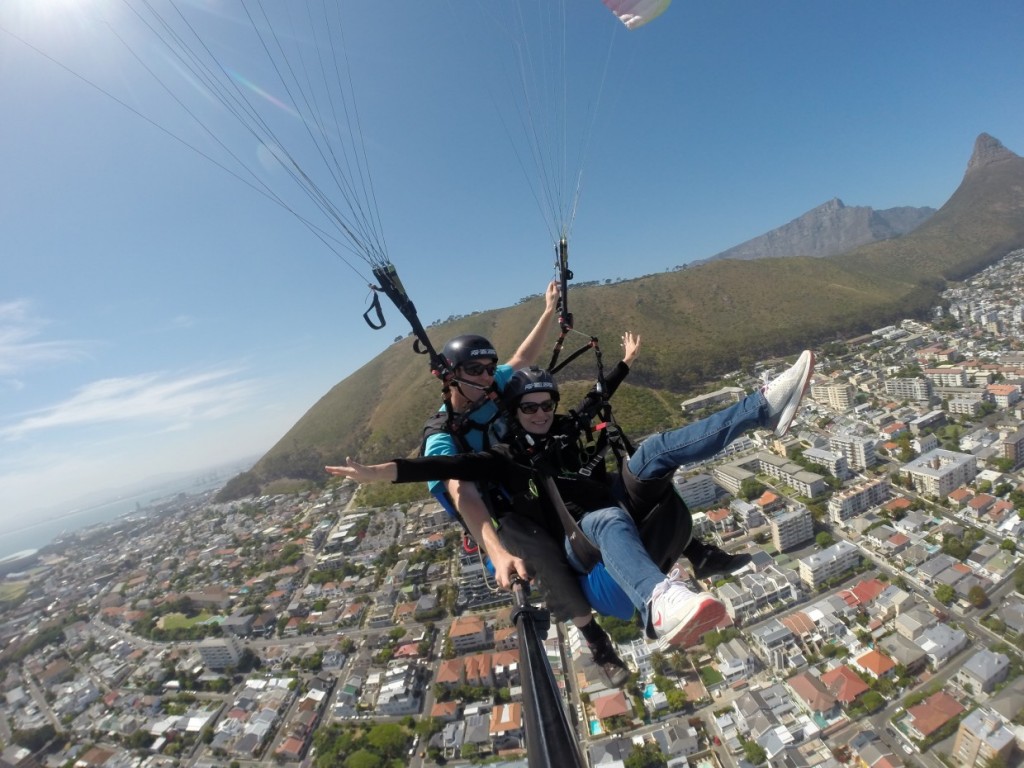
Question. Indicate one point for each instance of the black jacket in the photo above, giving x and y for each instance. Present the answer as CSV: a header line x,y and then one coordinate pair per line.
x,y
515,473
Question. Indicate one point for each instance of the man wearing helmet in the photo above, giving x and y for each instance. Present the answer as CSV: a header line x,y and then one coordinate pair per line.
x,y
473,362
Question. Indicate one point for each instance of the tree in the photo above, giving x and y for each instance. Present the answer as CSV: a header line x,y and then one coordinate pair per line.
x,y
34,739
363,759
754,752
824,540
389,738
646,756
751,488
658,662
976,596
677,699
944,594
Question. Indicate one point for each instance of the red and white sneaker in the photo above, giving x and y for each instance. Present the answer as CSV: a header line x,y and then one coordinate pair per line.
x,y
785,392
680,616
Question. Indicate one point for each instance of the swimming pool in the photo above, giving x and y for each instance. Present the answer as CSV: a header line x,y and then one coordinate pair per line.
x,y
595,728
649,690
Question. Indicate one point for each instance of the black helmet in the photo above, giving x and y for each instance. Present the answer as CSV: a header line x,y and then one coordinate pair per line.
x,y
466,348
527,380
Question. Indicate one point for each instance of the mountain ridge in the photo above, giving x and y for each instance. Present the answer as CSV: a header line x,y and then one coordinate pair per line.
x,y
829,229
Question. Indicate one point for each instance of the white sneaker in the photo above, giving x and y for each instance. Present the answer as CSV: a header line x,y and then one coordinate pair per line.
x,y
785,392
680,616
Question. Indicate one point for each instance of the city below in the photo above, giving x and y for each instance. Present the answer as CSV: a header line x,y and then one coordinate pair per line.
x,y
880,622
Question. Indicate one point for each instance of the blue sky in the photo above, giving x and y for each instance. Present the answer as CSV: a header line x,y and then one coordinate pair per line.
x,y
157,315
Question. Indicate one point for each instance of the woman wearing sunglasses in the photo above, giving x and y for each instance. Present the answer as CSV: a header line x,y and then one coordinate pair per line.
x,y
668,608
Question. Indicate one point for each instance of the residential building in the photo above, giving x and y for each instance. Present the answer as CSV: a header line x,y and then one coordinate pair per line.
x,y
858,498
221,652
839,396
859,451
835,463
946,377
908,389
818,568
752,593
1013,447
792,528
468,633
929,716
983,672
964,406
697,491
938,473
736,660
983,736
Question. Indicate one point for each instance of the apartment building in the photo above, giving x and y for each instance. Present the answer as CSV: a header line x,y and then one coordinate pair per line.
x,y
221,652
946,377
919,390
983,736
792,528
1013,447
1003,395
697,491
755,592
858,499
859,451
940,472
965,406
838,396
836,464
820,567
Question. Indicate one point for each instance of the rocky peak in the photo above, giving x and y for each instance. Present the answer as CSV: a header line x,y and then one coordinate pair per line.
x,y
988,150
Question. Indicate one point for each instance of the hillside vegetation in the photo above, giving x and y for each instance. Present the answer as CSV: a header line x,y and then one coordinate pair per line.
x,y
697,324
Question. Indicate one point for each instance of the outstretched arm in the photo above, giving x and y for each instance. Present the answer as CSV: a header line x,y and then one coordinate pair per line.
x,y
630,347
365,473
532,345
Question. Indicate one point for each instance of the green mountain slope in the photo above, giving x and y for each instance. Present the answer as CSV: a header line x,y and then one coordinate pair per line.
x,y
697,324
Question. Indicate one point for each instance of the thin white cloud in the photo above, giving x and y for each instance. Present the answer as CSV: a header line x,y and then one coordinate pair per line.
x,y
183,321
19,348
153,398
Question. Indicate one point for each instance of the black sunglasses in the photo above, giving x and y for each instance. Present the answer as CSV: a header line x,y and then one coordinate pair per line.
x,y
475,369
530,408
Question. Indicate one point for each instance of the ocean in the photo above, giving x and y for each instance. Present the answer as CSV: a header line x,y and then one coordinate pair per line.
x,y
39,533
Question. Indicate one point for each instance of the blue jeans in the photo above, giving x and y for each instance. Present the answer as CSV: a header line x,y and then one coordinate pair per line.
x,y
613,531
662,454
645,482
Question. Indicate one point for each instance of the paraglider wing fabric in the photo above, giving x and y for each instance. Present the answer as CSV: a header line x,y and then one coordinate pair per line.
x,y
636,13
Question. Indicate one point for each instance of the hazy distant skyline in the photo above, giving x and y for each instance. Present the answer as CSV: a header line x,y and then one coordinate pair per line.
x,y
157,315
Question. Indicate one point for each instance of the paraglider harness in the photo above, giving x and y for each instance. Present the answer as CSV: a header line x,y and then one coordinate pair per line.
x,y
458,424
598,402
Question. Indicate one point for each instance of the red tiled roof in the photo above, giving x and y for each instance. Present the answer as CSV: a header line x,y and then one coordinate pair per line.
x,y
934,712
868,590
799,623
845,684
611,705
875,662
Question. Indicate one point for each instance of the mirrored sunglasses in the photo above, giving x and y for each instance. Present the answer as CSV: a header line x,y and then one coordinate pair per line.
x,y
476,369
530,408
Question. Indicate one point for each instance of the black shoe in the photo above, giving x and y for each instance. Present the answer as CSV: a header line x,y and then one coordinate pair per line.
x,y
708,560
604,656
